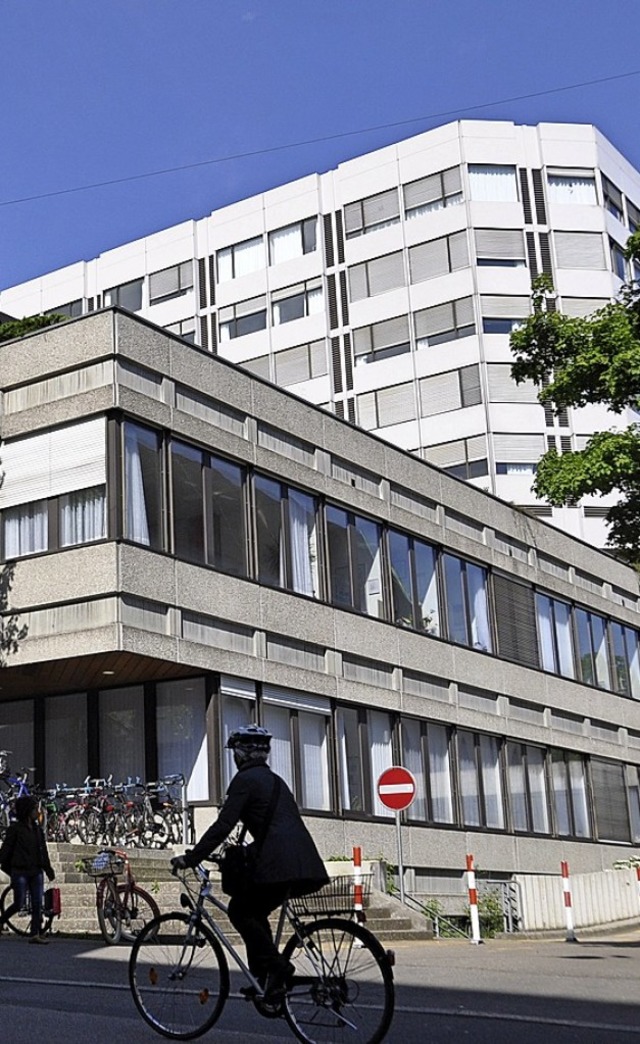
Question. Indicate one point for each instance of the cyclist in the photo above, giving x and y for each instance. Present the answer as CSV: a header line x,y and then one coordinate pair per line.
x,y
24,856
288,862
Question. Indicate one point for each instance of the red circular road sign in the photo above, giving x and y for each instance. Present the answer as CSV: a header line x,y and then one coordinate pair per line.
x,y
396,788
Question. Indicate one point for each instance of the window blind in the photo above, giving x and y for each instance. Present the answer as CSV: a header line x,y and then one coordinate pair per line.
x,y
505,307
385,273
610,800
429,260
500,243
518,448
580,250
515,621
379,208
396,404
232,686
581,306
54,462
295,700
502,387
440,393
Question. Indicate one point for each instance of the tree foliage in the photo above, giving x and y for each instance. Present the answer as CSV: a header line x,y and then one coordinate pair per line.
x,y
577,362
20,327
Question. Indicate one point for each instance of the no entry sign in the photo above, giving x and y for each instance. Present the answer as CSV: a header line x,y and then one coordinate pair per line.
x,y
396,788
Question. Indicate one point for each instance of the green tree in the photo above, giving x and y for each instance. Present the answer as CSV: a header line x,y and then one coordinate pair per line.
x,y
20,327
582,361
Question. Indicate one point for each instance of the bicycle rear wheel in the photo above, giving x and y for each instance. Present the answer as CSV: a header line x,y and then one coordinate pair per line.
x,y
20,921
138,908
179,976
109,911
342,987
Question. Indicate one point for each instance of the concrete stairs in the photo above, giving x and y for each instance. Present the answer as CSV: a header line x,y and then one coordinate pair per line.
x,y
385,915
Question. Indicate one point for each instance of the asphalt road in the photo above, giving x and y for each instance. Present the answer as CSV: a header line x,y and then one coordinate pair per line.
x,y
516,990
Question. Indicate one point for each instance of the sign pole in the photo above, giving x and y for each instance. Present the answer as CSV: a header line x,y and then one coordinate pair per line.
x,y
400,862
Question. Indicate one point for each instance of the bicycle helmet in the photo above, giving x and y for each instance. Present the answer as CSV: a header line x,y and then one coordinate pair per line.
x,y
249,738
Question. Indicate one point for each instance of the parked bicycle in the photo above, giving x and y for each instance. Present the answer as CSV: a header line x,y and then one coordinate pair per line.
x,y
123,906
20,922
342,989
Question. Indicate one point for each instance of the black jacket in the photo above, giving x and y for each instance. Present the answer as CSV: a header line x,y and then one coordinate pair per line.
x,y
24,850
288,853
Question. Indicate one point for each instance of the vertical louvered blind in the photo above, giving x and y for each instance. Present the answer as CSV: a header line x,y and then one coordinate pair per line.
x,y
610,800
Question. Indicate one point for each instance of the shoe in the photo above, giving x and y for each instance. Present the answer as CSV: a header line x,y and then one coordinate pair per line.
x,y
39,939
279,980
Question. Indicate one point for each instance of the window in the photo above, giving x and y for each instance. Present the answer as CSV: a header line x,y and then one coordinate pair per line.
x,y
503,388
438,257
593,651
555,635
467,608
243,318
480,781
187,502
82,516
142,486
296,302
240,259
127,295
181,729
71,308
376,277
503,314
368,215
382,340
618,260
293,241
121,732
444,322
302,363
355,571
224,485
25,529
433,193
286,536
414,584
186,329
611,810
364,752
237,705
527,785
626,665
515,618
579,250
500,247
426,753
66,747
572,186
462,458
570,794
170,282
453,390
393,405
633,214
612,198
493,183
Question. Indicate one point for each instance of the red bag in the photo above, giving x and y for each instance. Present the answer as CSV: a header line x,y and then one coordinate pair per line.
x,y
52,904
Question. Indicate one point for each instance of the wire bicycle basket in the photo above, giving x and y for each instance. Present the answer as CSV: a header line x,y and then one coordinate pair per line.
x,y
104,864
336,897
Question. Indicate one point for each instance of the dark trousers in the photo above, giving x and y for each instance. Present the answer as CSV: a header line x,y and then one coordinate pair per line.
x,y
21,884
249,914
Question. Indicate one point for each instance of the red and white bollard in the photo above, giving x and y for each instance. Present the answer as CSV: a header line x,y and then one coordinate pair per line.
x,y
473,901
358,904
568,905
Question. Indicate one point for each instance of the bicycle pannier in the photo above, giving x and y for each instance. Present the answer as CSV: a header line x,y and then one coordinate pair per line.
x,y
52,904
237,869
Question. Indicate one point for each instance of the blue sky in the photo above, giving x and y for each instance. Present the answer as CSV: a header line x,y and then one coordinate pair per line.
x,y
102,92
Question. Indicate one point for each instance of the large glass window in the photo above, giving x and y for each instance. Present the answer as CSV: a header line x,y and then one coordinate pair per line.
x,y
226,517
286,531
25,529
610,800
170,282
593,651
143,486
425,751
493,183
187,502
350,761
466,603
555,636
121,732
65,728
243,318
528,798
83,516
240,259
277,720
237,708
293,241
296,302
434,192
182,734
313,742
414,586
381,754
127,295
354,562
572,187
17,732
570,794
372,213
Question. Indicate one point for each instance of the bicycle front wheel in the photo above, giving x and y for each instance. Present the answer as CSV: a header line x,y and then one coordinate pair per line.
x,y
109,911
179,976
20,922
342,986
138,908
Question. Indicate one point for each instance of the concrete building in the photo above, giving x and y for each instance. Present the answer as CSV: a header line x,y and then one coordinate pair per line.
x,y
188,547
385,290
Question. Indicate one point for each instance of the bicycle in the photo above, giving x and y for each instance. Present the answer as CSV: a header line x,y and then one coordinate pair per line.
x,y
123,907
342,987
20,922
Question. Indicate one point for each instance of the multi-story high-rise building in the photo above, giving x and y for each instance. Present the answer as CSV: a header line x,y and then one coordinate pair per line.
x,y
386,289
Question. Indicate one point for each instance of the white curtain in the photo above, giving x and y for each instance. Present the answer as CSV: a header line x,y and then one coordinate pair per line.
x,y
468,773
601,652
83,516
545,632
26,529
491,782
579,798
136,510
381,755
538,790
493,184
285,244
412,760
427,588
517,788
248,257
440,774
573,189
561,797
368,568
480,633
277,720
236,711
564,639
304,556
315,302
314,761
182,734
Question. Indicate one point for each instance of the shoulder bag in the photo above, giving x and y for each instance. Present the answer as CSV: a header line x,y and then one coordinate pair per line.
x,y
238,863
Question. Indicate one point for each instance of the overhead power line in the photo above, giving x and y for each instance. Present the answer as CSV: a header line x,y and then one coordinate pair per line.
x,y
317,141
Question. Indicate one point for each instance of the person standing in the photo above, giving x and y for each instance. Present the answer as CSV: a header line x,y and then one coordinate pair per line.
x,y
25,857
287,861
